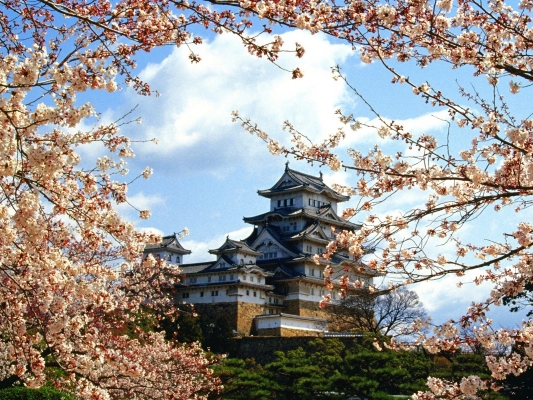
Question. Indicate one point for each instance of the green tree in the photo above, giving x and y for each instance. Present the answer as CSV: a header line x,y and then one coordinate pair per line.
x,y
218,335
327,369
24,393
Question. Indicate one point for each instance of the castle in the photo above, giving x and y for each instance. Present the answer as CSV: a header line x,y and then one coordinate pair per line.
x,y
269,284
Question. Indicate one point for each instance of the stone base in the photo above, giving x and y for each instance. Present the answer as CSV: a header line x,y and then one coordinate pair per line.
x,y
304,308
239,315
287,332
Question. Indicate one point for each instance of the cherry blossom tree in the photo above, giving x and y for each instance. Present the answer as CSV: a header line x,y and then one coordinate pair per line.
x,y
71,275
482,165
70,263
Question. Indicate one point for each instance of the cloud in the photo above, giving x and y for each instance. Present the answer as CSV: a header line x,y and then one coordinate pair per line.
x,y
192,117
433,122
442,296
139,201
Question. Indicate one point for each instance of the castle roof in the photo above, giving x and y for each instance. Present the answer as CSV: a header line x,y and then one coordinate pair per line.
x,y
195,268
169,243
273,232
324,214
292,181
234,246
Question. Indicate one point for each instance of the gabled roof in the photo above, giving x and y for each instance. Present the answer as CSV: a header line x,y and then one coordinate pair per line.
x,y
234,246
313,232
293,180
281,271
223,263
324,213
168,243
273,233
195,268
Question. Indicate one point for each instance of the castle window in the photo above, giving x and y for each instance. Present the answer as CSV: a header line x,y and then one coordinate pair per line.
x,y
201,294
177,259
208,279
270,299
312,271
185,295
255,294
193,279
170,257
312,291
247,293
321,274
214,293
285,203
310,202
276,301
251,279
279,203
231,277
270,311
221,278
227,292
242,262
292,202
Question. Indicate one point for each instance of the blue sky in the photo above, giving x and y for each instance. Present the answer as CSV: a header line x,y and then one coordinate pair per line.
x,y
207,170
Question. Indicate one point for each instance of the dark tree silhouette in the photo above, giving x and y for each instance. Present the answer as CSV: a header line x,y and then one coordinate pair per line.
x,y
391,314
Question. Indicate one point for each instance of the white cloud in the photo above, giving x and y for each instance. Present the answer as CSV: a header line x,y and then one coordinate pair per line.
x,y
192,118
443,298
432,122
139,201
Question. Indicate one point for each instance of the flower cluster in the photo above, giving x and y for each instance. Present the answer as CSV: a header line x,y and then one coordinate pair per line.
x,y
491,172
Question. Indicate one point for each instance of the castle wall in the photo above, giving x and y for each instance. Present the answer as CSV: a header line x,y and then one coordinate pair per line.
x,y
218,310
304,308
287,332
246,314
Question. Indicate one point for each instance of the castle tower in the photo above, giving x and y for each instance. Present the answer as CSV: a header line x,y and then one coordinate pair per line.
x,y
301,222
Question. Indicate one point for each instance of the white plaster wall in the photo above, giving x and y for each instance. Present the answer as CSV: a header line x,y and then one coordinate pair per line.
x,y
277,321
260,298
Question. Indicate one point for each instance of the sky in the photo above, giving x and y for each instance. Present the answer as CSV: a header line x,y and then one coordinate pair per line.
x,y
207,169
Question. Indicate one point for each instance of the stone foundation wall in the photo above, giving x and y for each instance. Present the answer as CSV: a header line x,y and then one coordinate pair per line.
x,y
287,332
239,315
304,308
215,311
245,317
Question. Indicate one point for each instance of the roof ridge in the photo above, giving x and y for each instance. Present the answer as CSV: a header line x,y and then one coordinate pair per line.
x,y
307,175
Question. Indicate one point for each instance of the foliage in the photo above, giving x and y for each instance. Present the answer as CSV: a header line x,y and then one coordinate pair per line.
x,y
478,167
388,314
69,261
71,278
43,393
214,335
521,300
327,369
